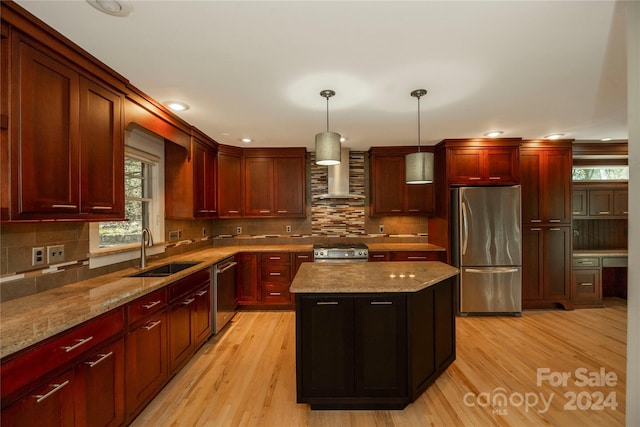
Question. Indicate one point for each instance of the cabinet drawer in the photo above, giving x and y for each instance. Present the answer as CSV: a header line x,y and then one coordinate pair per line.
x,y
614,261
586,262
147,305
414,256
276,294
378,256
60,350
275,258
187,284
275,274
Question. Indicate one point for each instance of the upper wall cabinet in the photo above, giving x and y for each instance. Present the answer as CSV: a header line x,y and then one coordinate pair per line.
x,y
230,182
389,193
546,182
66,140
190,179
600,201
275,181
482,161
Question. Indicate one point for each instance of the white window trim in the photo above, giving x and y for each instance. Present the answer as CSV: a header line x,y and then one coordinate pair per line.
x,y
150,148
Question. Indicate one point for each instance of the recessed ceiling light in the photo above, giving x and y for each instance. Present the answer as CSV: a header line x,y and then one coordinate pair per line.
x,y
113,7
606,139
554,136
246,140
343,139
177,106
494,133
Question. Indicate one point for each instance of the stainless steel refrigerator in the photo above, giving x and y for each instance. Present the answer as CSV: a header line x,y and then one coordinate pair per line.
x,y
487,248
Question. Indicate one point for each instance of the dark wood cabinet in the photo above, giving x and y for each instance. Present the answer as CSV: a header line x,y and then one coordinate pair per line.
x,y
190,179
69,161
580,203
275,278
378,256
230,182
189,317
364,351
416,256
600,200
546,267
482,162
274,182
247,277
389,193
586,279
621,202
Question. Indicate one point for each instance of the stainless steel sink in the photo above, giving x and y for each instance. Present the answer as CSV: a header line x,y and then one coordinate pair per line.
x,y
166,269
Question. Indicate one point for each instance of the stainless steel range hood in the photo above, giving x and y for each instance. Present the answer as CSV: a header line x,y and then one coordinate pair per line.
x,y
338,183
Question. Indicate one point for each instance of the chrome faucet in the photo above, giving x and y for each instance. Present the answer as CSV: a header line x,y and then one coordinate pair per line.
x,y
146,240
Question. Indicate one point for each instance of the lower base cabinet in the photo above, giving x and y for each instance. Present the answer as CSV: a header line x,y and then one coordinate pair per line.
x,y
372,351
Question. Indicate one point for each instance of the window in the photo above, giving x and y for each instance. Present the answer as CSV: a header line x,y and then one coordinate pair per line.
x,y
117,241
601,173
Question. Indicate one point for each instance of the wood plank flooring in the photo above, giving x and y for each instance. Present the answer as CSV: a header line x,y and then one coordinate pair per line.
x,y
246,376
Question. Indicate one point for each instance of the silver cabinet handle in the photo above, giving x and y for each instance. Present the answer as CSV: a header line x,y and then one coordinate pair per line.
x,y
274,274
536,229
275,293
283,211
554,220
474,178
381,303
56,387
188,301
200,293
554,229
303,256
491,271
64,206
81,342
264,211
586,284
577,212
585,262
494,178
625,212
232,211
416,257
378,256
275,258
414,210
536,220
152,325
102,357
396,210
327,303
603,213
102,208
226,267
151,304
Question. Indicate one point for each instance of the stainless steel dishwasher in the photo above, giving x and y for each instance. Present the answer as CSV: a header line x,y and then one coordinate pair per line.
x,y
224,293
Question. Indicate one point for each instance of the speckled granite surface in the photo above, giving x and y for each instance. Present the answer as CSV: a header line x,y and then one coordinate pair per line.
x,y
600,252
369,276
26,321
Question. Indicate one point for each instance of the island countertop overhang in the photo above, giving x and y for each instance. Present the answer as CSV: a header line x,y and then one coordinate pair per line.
x,y
370,277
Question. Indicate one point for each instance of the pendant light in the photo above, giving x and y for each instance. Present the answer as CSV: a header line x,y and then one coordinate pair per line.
x,y
419,166
327,143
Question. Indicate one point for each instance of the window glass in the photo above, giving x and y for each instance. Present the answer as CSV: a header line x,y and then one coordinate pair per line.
x,y
601,173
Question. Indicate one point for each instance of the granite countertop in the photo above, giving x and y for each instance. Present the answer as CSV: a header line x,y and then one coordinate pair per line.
x,y
600,252
357,277
29,320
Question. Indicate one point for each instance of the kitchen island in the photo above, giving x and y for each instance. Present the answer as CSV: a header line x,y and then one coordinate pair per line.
x,y
372,335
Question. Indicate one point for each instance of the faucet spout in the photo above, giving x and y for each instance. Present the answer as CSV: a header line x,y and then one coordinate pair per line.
x,y
146,240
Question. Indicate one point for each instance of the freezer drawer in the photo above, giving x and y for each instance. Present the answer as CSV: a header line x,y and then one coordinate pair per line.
x,y
491,290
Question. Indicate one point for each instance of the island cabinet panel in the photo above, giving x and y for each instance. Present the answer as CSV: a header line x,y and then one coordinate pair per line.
x,y
69,150
230,182
372,351
390,194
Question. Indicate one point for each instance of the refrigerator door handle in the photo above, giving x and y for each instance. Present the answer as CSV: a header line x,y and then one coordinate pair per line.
x,y
465,228
491,270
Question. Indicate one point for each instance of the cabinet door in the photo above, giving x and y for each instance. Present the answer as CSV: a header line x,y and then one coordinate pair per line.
x,y
388,185
419,198
531,186
247,278
101,151
557,263
380,356
444,327
620,202
204,181
532,263
46,139
202,326
258,196
298,258
52,404
579,203
376,256
289,182
600,202
587,289
415,256
501,165
326,350
146,369
181,343
465,165
229,185
100,387
557,186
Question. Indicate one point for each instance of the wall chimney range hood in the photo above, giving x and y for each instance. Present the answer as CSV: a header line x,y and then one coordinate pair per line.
x,y
338,180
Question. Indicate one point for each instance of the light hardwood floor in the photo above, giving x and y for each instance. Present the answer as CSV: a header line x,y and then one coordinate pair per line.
x,y
246,376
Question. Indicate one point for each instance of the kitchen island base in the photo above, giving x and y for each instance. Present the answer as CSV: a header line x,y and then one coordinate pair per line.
x,y
372,350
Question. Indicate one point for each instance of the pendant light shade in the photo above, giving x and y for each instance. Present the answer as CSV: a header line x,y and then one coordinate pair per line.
x,y
328,143
419,165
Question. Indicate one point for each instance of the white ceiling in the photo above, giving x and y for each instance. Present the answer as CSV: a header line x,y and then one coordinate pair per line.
x,y
255,69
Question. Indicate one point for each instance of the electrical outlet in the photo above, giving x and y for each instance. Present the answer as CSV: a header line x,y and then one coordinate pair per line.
x,y
55,254
37,256
288,229
173,235
381,228
238,230
204,232
179,234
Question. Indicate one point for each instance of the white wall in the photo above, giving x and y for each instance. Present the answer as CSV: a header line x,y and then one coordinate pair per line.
x,y
633,302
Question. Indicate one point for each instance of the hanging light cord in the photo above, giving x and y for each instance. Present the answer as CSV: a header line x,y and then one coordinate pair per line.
x,y
327,114
418,96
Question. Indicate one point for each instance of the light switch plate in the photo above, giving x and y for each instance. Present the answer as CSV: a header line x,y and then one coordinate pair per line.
x,y
55,254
